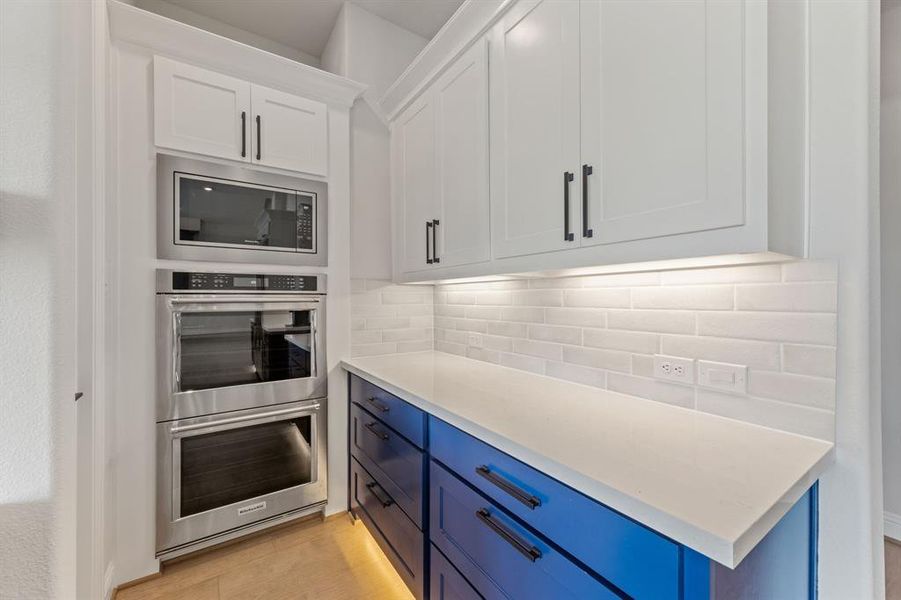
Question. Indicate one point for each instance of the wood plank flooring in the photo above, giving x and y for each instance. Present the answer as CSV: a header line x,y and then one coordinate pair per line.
x,y
314,559
892,570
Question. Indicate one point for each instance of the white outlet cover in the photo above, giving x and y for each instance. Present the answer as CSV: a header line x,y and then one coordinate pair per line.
x,y
725,377
674,368
475,340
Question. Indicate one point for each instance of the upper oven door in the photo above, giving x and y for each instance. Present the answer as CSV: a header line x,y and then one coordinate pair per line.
x,y
221,353
208,211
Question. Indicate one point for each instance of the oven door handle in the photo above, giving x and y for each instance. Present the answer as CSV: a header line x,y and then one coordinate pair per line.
x,y
245,418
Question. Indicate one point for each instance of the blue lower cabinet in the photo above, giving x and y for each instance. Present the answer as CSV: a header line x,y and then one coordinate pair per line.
x,y
399,415
632,557
446,582
402,542
500,557
395,463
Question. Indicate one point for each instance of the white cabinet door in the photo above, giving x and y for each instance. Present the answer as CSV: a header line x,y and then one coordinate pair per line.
x,y
415,189
663,117
200,111
461,107
289,132
534,99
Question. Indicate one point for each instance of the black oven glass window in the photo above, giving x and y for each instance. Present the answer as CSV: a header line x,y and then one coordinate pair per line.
x,y
222,213
222,349
224,467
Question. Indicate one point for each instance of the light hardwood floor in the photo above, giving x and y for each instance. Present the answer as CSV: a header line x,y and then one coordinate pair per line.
x,y
892,570
311,560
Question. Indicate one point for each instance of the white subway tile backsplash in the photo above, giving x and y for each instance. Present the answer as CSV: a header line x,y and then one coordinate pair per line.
x,y
662,321
604,330
811,328
692,297
803,297
818,361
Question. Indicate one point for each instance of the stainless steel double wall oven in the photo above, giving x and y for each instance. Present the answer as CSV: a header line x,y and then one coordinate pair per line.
x,y
241,404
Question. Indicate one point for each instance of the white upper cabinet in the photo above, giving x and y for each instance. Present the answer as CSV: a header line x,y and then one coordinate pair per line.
x,y
440,170
204,112
200,111
663,117
535,128
461,152
415,184
289,132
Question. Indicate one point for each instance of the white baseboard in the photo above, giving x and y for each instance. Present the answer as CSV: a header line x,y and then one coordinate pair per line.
x,y
108,588
893,526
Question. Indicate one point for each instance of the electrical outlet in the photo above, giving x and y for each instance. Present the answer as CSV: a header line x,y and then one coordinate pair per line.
x,y
723,376
475,340
674,368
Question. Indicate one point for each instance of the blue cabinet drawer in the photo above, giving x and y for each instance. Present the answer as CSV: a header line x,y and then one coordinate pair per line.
x,y
630,556
445,581
402,542
396,464
401,416
500,557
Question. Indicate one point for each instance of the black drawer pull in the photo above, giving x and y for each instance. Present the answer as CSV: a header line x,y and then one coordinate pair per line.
x,y
567,234
529,500
371,487
428,230
243,134
379,434
586,230
259,138
378,405
527,550
435,258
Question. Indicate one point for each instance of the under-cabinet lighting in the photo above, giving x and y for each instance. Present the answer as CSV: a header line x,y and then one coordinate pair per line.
x,y
207,189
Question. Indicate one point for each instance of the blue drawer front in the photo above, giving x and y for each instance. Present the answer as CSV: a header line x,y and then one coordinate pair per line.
x,y
402,542
491,551
632,557
396,464
446,583
401,416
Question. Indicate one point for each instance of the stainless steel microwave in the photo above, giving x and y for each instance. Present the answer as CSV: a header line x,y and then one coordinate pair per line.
x,y
214,212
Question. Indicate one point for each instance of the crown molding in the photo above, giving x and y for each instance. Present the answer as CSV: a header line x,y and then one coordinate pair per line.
x,y
186,43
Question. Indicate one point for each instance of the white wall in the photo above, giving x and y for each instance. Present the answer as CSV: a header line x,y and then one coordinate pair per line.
x,y
39,54
371,50
890,192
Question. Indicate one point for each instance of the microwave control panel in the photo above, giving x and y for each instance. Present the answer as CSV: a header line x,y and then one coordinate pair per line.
x,y
306,223
240,282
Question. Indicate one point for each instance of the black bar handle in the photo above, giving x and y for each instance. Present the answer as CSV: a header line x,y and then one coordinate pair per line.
x,y
528,499
378,405
586,171
371,487
527,550
567,234
379,434
435,241
243,134
428,228
259,137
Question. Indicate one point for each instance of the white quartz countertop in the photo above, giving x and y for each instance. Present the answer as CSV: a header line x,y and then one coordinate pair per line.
x,y
714,484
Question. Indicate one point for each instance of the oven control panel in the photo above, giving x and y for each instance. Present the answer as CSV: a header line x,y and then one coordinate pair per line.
x,y
240,282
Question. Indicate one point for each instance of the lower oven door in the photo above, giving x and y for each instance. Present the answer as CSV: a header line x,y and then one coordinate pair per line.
x,y
220,473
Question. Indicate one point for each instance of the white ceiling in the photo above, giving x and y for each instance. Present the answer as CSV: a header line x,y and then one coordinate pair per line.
x,y
305,25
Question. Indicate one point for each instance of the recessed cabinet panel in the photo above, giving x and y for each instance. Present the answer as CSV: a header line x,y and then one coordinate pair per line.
x,y
663,117
413,142
534,127
289,132
461,101
200,111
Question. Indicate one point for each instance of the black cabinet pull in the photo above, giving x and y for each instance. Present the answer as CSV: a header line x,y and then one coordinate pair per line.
x,y
586,171
428,228
243,134
528,499
524,548
259,138
371,487
567,234
435,241
378,405
379,434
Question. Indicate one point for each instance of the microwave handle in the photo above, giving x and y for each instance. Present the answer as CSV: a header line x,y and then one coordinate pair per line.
x,y
245,418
